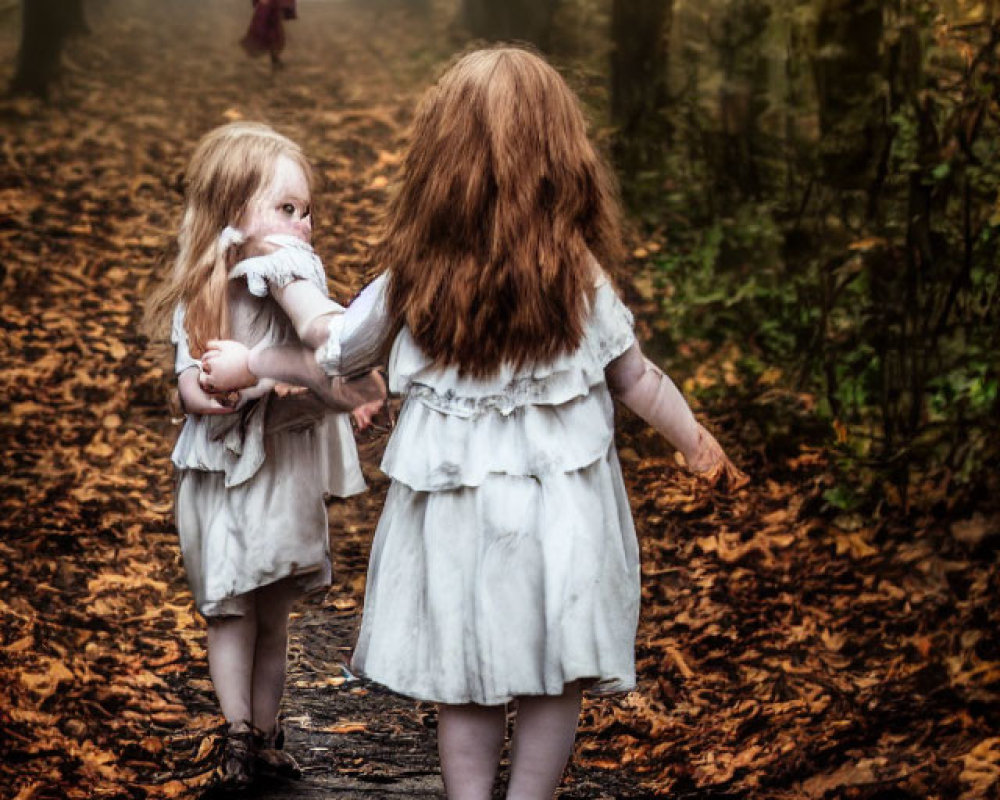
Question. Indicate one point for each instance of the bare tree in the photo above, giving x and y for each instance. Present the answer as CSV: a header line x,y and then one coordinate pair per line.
x,y
45,25
847,67
511,20
640,30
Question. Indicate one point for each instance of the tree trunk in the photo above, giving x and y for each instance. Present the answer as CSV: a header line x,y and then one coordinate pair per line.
x,y
640,31
847,66
743,148
511,20
76,20
45,24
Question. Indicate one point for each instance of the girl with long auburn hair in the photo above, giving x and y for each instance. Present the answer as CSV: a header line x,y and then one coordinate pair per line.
x,y
252,468
505,566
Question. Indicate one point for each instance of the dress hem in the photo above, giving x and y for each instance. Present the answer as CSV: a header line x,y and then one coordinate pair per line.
x,y
598,688
215,609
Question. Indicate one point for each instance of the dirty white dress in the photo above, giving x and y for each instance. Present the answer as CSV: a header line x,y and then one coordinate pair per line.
x,y
251,485
505,561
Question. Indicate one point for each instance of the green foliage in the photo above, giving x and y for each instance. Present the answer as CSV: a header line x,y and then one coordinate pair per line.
x,y
728,282
842,497
847,234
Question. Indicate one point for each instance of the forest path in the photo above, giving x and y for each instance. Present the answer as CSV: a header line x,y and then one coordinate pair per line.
x,y
783,651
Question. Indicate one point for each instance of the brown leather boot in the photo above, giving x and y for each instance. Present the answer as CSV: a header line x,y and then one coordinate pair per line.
x,y
270,756
237,769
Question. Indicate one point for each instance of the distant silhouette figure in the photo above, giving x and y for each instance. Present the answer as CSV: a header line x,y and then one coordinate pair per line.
x,y
266,33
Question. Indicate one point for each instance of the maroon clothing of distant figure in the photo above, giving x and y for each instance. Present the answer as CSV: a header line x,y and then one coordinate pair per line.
x,y
266,33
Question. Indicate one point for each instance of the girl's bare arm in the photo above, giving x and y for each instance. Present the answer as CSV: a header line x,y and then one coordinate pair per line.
x,y
196,400
648,391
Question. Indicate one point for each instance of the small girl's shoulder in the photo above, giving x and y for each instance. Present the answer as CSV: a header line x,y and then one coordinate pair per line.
x,y
595,271
610,324
598,276
601,283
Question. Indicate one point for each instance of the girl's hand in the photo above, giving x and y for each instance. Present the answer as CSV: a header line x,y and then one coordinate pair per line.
x,y
288,389
365,414
225,367
711,462
220,403
227,400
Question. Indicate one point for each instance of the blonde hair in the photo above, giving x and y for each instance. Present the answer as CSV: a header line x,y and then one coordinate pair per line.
x,y
229,168
502,206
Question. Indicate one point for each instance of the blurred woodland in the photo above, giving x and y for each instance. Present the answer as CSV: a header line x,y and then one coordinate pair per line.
x,y
813,223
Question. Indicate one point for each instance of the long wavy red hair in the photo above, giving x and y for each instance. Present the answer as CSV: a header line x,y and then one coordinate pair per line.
x,y
503,205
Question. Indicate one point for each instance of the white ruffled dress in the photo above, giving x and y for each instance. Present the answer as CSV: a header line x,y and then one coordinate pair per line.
x,y
505,561
251,485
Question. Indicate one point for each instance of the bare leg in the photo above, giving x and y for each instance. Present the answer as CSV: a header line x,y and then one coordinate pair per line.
x,y
230,662
273,604
543,739
470,739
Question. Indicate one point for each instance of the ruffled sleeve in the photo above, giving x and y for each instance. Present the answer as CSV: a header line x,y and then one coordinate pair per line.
x,y
610,327
182,350
293,260
356,337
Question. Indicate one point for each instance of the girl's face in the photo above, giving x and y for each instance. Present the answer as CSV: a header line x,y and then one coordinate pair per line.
x,y
283,205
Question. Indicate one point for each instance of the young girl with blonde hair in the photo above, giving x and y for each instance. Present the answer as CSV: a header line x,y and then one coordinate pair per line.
x,y
252,469
505,565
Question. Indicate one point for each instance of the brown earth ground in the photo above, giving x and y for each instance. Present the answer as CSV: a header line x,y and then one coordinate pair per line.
x,y
784,652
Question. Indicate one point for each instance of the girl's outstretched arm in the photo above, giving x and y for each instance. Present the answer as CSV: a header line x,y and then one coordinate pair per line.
x,y
648,391
228,364
293,275
310,311
347,343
